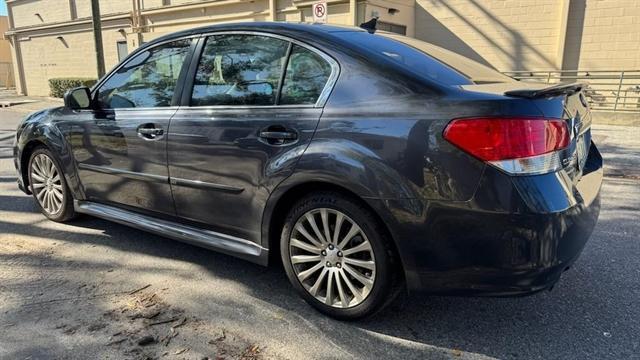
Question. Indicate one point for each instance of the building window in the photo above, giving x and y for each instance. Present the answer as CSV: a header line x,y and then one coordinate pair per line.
x,y
166,2
385,26
122,50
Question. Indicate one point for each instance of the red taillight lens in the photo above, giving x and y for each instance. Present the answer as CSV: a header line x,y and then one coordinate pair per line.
x,y
492,139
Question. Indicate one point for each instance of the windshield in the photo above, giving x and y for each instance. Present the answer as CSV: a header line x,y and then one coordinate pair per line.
x,y
472,70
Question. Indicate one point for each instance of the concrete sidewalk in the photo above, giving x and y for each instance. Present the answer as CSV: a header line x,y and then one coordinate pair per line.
x,y
11,101
620,149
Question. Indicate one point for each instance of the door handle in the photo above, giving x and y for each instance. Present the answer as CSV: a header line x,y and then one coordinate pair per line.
x,y
150,132
277,135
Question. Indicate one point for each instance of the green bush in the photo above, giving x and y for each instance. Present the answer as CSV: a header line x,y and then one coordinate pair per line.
x,y
59,86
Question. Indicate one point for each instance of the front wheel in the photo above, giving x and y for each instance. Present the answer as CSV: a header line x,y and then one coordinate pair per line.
x,y
49,187
337,256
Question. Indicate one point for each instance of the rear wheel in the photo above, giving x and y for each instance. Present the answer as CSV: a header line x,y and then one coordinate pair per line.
x,y
336,255
49,187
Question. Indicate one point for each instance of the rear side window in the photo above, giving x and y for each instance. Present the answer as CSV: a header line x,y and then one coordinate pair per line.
x,y
306,75
239,69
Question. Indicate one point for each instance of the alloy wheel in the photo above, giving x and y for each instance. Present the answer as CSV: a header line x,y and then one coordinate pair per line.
x,y
332,258
47,184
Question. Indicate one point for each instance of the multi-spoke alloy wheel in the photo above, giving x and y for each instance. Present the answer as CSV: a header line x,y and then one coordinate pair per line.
x,y
332,258
338,256
47,184
49,187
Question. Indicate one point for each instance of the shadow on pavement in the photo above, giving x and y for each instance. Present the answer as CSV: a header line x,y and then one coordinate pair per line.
x,y
592,300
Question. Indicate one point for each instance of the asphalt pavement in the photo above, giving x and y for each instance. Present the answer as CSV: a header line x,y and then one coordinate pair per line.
x,y
79,290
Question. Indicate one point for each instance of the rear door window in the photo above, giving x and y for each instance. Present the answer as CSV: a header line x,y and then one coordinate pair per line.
x,y
239,69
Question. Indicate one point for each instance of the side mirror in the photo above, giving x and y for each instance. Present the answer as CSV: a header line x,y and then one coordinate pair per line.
x,y
78,98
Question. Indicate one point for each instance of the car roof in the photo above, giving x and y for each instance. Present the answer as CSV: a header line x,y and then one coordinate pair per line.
x,y
274,27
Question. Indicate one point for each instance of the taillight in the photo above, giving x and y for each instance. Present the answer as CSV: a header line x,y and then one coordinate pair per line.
x,y
517,145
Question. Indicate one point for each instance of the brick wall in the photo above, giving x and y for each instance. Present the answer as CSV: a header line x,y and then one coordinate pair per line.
x,y
531,34
507,34
610,37
510,35
32,13
5,49
46,57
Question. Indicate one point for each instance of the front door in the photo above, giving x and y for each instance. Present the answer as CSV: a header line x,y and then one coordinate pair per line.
x,y
246,124
121,146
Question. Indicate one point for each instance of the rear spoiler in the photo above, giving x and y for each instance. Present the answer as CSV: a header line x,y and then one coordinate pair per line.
x,y
555,90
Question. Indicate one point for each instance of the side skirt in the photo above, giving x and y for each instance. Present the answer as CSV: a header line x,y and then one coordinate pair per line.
x,y
208,239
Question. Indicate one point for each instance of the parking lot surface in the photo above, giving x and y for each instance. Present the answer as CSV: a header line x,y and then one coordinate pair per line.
x,y
95,289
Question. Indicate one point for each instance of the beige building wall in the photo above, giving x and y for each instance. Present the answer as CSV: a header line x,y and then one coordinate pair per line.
x,y
6,66
604,35
536,34
509,35
5,49
52,38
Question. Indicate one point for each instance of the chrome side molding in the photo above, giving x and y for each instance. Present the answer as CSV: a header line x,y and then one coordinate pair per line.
x,y
227,244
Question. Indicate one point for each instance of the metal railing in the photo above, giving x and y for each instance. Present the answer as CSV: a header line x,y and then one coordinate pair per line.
x,y
613,90
6,75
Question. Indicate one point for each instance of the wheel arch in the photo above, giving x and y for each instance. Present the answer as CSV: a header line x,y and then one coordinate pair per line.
x,y
50,137
278,208
27,150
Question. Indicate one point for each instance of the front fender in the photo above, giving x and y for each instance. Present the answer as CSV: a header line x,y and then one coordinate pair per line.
x,y
42,129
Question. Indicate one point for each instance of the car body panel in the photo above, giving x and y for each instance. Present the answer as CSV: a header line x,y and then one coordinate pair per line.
x,y
458,224
222,171
116,164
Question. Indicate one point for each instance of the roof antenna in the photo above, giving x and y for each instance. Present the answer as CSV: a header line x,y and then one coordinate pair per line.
x,y
370,25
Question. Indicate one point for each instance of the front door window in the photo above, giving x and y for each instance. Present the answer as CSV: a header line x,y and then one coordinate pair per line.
x,y
147,80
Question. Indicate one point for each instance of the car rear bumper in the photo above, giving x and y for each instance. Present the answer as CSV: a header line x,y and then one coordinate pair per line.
x,y
514,237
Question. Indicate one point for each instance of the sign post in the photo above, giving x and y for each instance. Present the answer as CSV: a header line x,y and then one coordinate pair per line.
x,y
319,11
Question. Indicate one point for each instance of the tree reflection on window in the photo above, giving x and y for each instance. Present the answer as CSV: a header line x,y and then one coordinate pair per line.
x,y
307,73
147,80
239,70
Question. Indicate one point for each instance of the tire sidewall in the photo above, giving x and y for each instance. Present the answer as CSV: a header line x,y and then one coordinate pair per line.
x,y
67,211
382,284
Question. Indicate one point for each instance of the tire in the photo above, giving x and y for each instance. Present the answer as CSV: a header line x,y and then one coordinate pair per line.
x,y
368,253
49,187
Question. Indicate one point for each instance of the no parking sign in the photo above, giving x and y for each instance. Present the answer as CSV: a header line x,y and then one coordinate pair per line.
x,y
319,11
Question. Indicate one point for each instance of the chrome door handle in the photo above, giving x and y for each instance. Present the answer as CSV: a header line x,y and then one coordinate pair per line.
x,y
278,135
150,132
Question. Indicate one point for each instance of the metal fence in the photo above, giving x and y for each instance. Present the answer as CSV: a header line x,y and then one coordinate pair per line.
x,y
613,90
6,75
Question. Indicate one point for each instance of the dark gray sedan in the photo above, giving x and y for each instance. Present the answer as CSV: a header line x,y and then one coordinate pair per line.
x,y
367,162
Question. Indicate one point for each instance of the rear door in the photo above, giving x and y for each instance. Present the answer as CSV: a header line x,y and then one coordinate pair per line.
x,y
121,145
244,124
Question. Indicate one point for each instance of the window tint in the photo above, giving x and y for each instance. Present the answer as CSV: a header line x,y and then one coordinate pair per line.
x,y
476,72
239,70
147,80
406,57
307,73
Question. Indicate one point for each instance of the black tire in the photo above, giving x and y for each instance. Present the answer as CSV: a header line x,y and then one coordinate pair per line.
x,y
388,278
66,211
